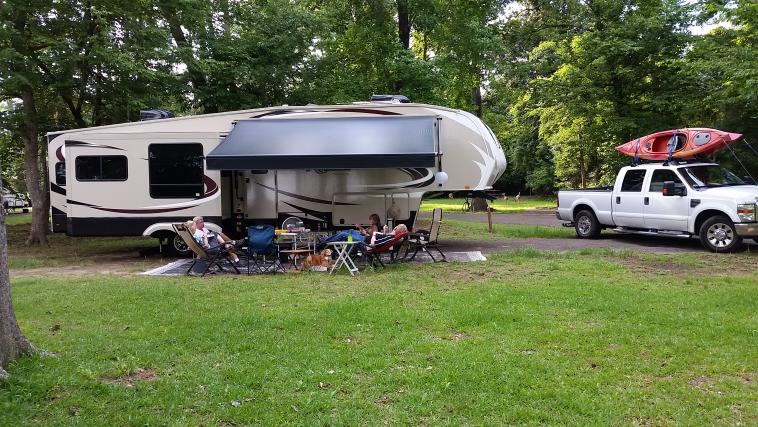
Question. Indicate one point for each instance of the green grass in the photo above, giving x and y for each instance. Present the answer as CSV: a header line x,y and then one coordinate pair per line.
x,y
498,206
64,250
465,230
18,219
528,337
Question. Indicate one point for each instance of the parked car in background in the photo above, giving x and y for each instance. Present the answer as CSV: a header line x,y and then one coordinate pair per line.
x,y
680,199
13,200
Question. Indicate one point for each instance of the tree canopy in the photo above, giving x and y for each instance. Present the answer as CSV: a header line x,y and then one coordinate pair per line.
x,y
561,82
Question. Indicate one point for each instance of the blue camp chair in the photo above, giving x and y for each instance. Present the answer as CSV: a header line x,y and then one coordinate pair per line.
x,y
262,253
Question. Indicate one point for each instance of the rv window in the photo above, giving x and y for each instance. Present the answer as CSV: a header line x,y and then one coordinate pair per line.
x,y
99,168
60,173
176,171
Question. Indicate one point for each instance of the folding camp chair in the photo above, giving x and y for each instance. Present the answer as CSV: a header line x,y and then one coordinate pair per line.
x,y
424,240
262,253
374,253
213,257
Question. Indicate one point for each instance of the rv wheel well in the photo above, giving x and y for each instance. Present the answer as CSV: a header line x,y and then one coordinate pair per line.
x,y
704,215
162,234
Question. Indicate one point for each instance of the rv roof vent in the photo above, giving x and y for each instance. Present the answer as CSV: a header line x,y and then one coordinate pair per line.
x,y
154,114
392,99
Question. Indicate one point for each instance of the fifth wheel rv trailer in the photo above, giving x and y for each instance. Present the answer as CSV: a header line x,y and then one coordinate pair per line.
x,y
331,166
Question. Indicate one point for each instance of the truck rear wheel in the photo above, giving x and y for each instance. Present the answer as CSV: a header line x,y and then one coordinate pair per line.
x,y
586,225
717,234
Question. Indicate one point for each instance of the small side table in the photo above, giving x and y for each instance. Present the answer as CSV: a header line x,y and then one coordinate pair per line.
x,y
343,257
294,254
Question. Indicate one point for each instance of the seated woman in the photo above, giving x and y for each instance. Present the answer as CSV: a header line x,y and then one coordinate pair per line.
x,y
381,238
375,225
359,233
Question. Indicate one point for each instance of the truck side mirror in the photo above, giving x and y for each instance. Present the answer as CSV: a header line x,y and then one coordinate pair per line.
x,y
671,188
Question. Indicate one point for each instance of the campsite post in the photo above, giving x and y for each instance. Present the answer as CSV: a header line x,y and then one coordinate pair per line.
x,y
489,219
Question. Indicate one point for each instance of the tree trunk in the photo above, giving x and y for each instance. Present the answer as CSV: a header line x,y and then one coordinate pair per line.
x,y
479,204
13,343
476,99
40,218
426,47
403,24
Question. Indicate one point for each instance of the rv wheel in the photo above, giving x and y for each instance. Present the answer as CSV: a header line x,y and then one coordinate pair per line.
x,y
176,246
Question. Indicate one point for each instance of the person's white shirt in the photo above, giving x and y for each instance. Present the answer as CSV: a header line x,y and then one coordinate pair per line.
x,y
202,233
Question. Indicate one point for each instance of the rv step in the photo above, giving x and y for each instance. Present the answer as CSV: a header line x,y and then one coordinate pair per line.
x,y
625,230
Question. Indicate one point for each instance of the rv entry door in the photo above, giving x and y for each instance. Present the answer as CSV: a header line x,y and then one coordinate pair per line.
x,y
259,193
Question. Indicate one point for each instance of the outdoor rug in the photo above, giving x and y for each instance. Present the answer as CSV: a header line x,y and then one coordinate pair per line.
x,y
179,267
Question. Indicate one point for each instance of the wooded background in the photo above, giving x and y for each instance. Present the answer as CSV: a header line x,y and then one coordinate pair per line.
x,y
561,82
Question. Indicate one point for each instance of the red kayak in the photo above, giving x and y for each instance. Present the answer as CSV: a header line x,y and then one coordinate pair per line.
x,y
687,144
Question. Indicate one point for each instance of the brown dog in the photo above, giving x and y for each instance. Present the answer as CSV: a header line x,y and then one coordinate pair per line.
x,y
322,259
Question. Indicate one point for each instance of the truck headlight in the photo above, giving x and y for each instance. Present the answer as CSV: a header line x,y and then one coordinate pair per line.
x,y
746,213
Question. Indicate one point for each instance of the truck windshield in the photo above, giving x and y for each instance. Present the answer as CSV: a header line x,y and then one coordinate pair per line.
x,y
709,176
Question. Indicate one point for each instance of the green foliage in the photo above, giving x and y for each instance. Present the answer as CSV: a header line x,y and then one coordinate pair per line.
x,y
561,83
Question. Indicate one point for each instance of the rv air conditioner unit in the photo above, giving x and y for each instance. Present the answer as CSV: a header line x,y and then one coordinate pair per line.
x,y
392,99
154,114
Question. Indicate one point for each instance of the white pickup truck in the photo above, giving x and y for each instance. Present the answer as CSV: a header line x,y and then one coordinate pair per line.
x,y
685,199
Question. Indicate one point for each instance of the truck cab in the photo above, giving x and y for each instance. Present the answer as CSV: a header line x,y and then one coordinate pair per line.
x,y
689,199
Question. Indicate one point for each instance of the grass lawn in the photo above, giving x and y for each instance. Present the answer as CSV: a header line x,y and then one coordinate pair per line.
x,y
65,251
499,206
464,230
589,337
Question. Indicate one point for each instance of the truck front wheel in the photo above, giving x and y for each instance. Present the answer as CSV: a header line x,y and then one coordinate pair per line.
x,y
717,235
586,225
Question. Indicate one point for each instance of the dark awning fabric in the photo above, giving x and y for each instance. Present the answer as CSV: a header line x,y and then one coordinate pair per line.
x,y
328,143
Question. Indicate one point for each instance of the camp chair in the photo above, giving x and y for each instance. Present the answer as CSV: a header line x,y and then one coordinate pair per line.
x,y
213,257
424,240
373,254
263,254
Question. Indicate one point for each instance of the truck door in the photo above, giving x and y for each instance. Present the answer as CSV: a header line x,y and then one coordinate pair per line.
x,y
627,200
665,212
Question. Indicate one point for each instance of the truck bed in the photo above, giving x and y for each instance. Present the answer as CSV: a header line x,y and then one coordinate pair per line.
x,y
598,199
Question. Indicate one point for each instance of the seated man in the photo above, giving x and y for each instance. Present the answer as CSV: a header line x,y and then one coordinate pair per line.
x,y
210,240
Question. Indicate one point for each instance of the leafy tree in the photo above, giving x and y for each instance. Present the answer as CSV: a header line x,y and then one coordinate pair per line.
x,y
722,67
364,48
615,76
238,54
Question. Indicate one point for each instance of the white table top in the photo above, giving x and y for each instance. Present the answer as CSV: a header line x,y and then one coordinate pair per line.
x,y
343,242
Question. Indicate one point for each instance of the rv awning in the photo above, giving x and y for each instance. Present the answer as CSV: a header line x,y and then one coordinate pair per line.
x,y
328,143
